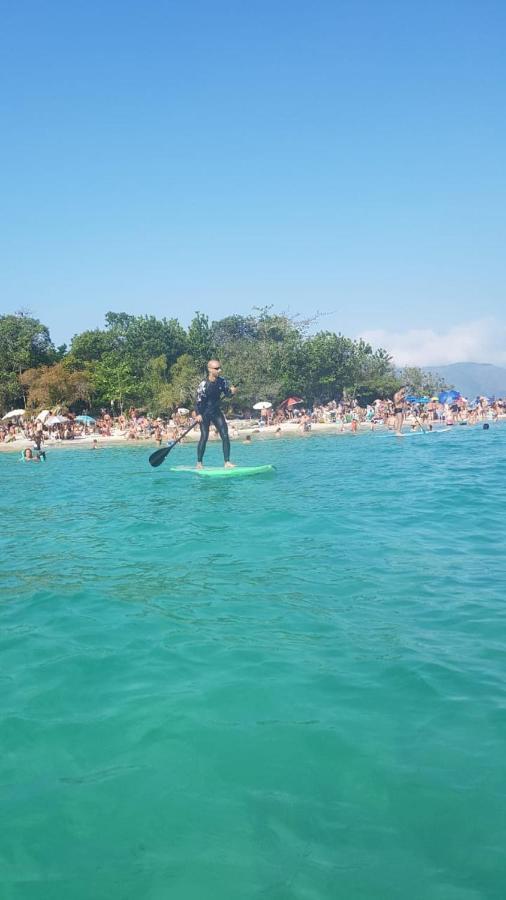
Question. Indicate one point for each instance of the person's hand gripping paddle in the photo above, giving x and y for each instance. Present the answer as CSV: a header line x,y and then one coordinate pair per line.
x,y
157,458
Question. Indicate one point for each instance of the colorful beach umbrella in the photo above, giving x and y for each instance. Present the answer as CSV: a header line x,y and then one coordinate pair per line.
x,y
86,420
292,401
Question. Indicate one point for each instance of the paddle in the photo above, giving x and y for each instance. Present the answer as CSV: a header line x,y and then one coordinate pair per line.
x,y
417,420
157,458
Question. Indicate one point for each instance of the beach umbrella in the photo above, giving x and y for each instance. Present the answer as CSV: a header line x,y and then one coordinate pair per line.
x,y
446,396
292,401
44,413
86,420
56,420
183,411
262,404
14,413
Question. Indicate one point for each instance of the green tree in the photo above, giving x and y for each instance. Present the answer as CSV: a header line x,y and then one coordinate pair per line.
x,y
90,346
24,343
201,345
114,382
154,385
376,376
231,329
260,352
12,394
422,383
118,323
155,363
185,376
61,352
141,338
328,367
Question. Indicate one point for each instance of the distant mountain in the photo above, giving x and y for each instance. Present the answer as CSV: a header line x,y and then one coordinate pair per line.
x,y
473,379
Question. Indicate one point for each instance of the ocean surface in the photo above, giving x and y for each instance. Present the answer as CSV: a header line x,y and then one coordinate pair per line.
x,y
288,687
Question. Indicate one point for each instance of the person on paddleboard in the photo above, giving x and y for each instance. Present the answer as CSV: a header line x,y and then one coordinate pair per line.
x,y
399,408
209,394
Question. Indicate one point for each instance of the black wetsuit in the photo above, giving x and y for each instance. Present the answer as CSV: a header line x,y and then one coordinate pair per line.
x,y
209,394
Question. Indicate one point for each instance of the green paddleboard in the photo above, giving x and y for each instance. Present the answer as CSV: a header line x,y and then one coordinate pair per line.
x,y
215,472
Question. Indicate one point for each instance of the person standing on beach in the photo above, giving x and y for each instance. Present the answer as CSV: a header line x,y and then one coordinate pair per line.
x,y
399,405
209,394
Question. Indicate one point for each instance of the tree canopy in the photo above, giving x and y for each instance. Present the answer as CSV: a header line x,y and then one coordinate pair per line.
x,y
156,363
24,343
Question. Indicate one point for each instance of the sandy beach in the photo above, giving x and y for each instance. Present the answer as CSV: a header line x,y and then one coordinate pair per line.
x,y
238,432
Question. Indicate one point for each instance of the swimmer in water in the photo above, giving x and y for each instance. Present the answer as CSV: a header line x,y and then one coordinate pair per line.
x,y
29,457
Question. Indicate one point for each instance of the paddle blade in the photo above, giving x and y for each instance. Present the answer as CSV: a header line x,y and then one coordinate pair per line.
x,y
157,458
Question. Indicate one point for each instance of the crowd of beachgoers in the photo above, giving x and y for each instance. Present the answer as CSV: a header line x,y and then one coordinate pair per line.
x,y
50,429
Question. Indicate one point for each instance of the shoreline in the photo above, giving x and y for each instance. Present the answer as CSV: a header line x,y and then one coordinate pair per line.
x,y
115,440
266,432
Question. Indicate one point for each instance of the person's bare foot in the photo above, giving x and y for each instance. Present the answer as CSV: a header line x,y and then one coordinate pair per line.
x,y
229,465
200,465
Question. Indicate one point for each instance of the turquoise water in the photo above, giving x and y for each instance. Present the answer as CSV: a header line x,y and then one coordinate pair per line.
x,y
278,687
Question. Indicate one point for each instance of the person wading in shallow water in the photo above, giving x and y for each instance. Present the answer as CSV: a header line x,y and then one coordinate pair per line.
x,y
209,394
399,406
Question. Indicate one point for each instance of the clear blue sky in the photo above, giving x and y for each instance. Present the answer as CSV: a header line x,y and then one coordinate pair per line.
x,y
163,157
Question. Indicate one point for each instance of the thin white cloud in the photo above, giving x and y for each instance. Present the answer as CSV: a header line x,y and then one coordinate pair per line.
x,y
483,341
